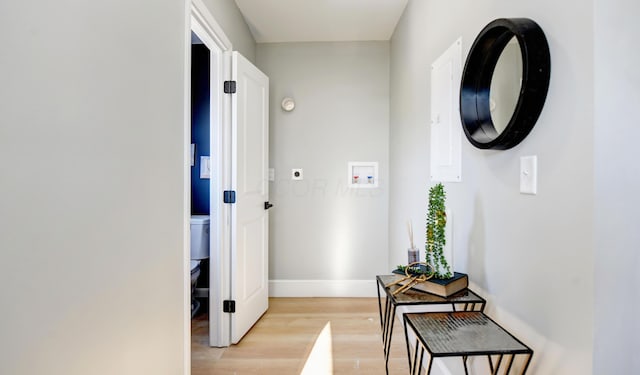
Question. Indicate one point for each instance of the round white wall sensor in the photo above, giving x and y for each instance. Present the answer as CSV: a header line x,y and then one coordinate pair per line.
x,y
288,104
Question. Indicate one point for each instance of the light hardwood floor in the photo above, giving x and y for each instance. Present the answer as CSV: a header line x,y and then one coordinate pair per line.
x,y
304,336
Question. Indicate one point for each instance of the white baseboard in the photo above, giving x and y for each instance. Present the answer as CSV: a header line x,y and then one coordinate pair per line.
x,y
322,288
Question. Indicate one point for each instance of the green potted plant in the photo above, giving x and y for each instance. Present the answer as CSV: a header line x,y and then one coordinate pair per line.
x,y
436,224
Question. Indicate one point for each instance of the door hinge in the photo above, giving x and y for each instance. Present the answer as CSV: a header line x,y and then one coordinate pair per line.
x,y
229,306
229,87
229,196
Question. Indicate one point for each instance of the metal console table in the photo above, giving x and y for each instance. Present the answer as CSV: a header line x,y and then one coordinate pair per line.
x,y
462,334
465,300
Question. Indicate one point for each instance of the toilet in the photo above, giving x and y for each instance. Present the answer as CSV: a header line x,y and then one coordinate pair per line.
x,y
199,251
195,273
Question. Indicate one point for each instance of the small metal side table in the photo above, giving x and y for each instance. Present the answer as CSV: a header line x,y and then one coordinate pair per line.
x,y
465,300
462,334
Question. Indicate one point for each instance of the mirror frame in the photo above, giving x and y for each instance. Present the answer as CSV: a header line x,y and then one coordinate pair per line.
x,y
475,87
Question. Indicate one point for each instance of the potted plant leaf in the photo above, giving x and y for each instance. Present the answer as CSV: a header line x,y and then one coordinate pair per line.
x,y
436,240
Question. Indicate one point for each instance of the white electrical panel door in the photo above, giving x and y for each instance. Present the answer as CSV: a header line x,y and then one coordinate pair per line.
x,y
446,127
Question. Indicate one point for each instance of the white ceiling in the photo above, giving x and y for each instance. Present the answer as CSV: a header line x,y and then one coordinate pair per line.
x,y
274,21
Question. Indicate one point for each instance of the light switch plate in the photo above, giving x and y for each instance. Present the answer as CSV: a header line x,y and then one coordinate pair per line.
x,y
296,174
272,174
193,154
529,174
205,167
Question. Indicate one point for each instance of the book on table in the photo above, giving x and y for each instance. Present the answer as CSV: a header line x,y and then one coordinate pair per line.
x,y
439,287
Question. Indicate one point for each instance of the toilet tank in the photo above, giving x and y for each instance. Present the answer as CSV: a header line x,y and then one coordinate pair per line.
x,y
199,236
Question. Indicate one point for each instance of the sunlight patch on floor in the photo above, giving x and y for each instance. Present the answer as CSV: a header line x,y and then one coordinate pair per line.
x,y
320,360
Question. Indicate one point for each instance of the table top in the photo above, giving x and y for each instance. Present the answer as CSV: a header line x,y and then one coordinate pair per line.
x,y
463,333
414,297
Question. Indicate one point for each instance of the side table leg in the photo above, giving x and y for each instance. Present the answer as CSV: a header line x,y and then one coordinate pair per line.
x,y
495,372
413,364
386,322
383,323
406,340
387,340
428,370
509,363
419,363
526,366
379,305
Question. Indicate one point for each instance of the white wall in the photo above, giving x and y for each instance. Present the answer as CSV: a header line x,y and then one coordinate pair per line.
x,y
228,16
321,229
617,183
531,256
91,191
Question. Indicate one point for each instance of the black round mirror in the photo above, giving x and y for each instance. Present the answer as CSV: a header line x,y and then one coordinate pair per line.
x,y
504,83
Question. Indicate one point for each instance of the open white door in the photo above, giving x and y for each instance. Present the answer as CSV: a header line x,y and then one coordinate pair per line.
x,y
250,221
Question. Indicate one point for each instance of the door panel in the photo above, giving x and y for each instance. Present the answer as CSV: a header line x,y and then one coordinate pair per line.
x,y
249,269
446,129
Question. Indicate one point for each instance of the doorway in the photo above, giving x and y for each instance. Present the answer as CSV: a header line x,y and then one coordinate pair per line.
x,y
200,223
238,123
207,53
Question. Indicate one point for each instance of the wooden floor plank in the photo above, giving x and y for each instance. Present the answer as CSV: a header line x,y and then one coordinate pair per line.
x,y
284,339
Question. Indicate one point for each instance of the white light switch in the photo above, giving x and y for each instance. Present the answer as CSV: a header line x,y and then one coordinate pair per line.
x,y
529,174
205,167
296,174
272,174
